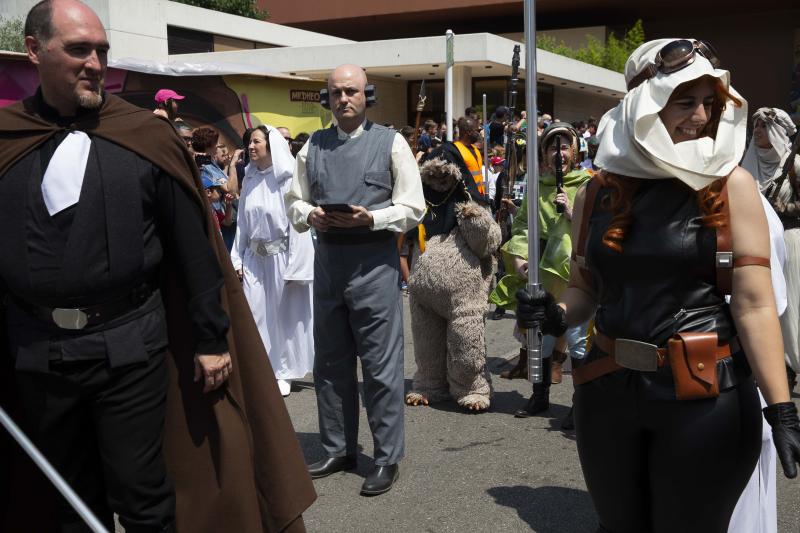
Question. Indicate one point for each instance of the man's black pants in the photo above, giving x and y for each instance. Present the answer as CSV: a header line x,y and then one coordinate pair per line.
x,y
102,428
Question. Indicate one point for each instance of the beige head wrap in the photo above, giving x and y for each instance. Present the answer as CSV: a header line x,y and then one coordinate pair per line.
x,y
766,164
635,143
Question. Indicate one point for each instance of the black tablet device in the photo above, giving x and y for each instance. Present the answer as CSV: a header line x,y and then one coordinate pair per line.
x,y
332,208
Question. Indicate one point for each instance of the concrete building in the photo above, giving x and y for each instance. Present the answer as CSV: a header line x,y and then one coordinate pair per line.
x,y
570,89
167,32
759,42
148,29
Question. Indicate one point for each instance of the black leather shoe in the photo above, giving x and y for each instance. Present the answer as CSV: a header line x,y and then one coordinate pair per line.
x,y
331,465
497,314
539,402
568,423
380,480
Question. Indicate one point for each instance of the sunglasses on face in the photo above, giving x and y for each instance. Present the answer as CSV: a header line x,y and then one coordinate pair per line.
x,y
675,56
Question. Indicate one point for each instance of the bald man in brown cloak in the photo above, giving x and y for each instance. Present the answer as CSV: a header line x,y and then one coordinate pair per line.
x,y
134,363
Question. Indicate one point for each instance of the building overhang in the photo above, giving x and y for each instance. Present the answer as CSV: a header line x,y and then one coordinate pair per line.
x,y
485,54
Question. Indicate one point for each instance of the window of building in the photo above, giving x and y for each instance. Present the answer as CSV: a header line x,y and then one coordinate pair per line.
x,y
497,89
183,41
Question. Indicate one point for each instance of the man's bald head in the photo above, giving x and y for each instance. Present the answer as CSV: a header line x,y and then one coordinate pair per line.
x,y
468,130
346,86
67,42
40,21
352,73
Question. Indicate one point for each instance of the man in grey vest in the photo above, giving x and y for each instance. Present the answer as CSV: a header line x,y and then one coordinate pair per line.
x,y
358,185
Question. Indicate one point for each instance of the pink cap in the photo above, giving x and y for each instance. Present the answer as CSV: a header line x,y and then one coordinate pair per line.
x,y
497,160
166,94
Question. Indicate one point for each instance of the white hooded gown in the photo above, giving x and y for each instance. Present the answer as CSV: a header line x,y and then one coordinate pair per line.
x,y
278,287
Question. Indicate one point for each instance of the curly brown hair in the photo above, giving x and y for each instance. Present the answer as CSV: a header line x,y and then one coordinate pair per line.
x,y
204,138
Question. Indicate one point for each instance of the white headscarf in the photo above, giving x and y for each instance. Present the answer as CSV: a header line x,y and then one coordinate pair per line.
x,y
282,160
635,143
766,164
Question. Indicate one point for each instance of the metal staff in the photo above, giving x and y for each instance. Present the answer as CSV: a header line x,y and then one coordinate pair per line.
x,y
512,99
401,238
420,107
448,83
559,172
511,152
532,171
485,146
51,473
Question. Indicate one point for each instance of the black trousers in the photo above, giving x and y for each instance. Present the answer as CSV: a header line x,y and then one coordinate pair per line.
x,y
102,429
665,466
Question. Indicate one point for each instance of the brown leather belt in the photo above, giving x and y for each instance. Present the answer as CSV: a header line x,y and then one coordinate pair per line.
x,y
635,355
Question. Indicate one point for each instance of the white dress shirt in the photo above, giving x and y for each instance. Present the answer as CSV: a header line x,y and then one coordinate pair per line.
x,y
408,203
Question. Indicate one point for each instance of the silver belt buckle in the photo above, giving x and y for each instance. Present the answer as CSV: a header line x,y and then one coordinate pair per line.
x,y
261,249
636,355
70,318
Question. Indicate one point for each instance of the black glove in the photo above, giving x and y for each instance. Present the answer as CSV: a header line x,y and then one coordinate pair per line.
x,y
786,434
540,310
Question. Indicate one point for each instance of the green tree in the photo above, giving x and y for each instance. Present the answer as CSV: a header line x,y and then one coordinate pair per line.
x,y
611,55
243,8
11,35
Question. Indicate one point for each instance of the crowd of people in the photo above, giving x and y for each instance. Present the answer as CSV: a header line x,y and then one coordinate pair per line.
x,y
153,329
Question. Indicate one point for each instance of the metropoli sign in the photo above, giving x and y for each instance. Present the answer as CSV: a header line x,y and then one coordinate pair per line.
x,y
302,95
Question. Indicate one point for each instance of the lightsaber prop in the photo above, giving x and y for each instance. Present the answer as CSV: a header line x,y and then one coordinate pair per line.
x,y
532,175
48,470
485,148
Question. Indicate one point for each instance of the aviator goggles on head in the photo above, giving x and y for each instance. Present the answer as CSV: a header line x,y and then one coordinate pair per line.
x,y
675,56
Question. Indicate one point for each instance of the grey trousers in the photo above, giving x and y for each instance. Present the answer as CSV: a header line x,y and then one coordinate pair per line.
x,y
358,312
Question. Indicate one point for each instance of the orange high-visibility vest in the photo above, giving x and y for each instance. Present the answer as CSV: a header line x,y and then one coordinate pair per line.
x,y
474,164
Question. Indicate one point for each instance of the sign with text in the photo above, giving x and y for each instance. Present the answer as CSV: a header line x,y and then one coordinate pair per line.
x,y
302,95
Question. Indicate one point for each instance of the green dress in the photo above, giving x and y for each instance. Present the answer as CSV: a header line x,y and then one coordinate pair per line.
x,y
554,228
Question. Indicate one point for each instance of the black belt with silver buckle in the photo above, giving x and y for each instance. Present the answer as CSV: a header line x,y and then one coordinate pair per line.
x,y
79,318
354,238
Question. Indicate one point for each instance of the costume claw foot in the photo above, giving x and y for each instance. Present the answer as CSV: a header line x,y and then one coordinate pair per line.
x,y
474,403
415,398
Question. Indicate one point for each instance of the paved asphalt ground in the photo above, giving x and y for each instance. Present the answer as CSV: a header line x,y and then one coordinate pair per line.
x,y
472,473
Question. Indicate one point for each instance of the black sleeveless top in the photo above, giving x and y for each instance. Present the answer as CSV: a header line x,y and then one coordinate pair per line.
x,y
664,281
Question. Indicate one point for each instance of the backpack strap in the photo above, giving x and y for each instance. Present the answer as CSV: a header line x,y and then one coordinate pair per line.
x,y
579,251
725,263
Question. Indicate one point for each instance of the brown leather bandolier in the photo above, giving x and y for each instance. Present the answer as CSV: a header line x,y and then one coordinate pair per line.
x,y
725,263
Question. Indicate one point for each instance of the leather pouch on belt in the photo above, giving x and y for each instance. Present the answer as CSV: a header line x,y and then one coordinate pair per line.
x,y
693,359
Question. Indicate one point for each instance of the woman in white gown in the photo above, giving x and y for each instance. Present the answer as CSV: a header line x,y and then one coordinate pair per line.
x,y
756,511
276,263
765,159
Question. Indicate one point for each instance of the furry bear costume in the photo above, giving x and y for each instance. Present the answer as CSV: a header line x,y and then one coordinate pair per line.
x,y
448,291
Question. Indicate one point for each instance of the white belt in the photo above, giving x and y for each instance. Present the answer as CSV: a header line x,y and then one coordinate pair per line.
x,y
268,248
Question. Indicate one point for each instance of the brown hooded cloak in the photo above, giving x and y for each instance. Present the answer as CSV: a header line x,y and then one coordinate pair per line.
x,y
233,454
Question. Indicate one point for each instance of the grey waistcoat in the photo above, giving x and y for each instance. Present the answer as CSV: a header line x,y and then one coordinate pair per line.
x,y
355,171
